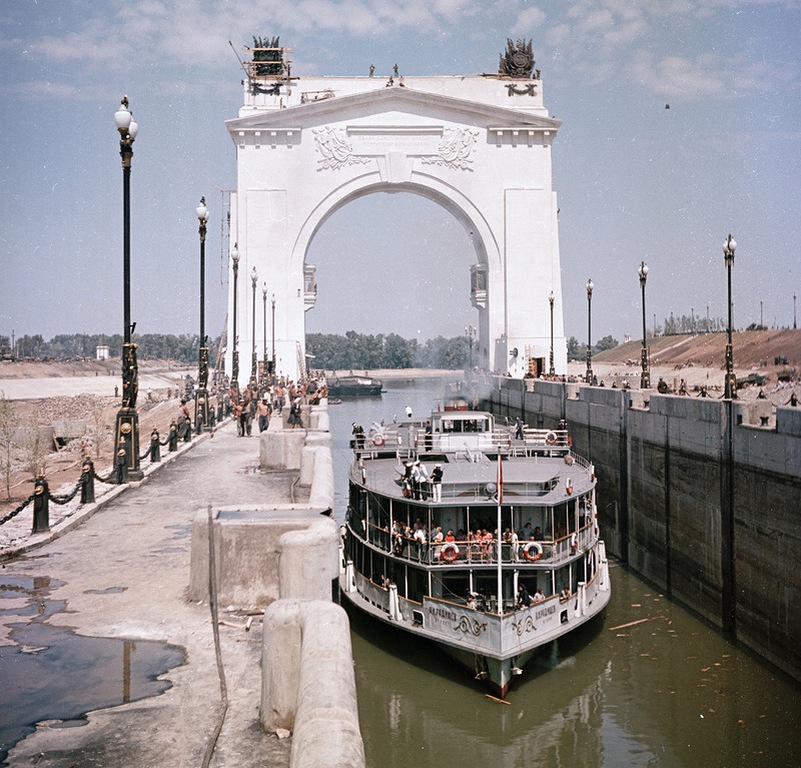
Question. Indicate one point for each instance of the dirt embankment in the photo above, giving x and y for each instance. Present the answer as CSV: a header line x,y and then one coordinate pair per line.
x,y
82,422
753,350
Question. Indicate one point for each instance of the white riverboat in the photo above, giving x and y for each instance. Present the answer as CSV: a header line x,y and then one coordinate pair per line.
x,y
500,557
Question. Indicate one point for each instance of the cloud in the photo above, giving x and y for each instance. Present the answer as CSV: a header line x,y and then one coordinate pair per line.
x,y
688,77
529,19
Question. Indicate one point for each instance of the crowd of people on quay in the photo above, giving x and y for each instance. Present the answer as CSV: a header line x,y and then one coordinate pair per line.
x,y
256,402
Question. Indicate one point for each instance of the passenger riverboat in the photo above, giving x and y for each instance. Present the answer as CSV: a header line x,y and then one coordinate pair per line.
x,y
480,537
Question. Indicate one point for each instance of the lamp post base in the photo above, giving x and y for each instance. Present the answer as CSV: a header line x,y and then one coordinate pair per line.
x,y
645,376
126,433
730,382
730,386
202,411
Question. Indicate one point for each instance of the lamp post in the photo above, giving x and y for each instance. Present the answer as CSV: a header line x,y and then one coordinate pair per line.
x,y
590,286
126,431
645,376
551,368
730,385
264,356
470,332
202,396
235,355
254,364
272,326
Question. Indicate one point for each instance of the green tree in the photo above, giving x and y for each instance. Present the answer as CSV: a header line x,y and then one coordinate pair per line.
x,y
607,342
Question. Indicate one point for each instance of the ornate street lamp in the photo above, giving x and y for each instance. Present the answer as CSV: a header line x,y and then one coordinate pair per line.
x,y
202,396
254,364
126,431
235,356
730,384
551,368
645,376
272,366
590,286
470,332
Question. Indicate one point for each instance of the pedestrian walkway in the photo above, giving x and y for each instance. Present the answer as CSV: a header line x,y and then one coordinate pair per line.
x,y
124,573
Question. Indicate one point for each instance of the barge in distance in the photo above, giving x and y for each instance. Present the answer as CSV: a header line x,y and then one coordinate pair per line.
x,y
354,386
429,560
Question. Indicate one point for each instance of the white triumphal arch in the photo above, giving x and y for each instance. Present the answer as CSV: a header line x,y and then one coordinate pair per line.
x,y
479,146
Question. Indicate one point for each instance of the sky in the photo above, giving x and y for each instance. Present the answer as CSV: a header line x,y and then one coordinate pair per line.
x,y
682,123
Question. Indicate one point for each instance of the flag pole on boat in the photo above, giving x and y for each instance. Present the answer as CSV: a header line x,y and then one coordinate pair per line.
x,y
499,529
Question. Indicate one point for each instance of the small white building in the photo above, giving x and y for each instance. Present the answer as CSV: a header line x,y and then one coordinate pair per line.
x,y
101,352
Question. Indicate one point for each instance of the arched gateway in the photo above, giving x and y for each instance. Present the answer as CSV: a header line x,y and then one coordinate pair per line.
x,y
479,146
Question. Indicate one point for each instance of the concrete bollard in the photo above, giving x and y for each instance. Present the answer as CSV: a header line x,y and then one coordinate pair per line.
x,y
309,452
308,560
327,720
280,665
321,493
323,420
308,683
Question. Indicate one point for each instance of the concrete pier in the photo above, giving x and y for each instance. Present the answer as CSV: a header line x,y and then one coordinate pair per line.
x,y
127,571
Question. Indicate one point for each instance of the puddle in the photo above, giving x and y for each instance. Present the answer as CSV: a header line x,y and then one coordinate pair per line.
x,y
107,591
52,674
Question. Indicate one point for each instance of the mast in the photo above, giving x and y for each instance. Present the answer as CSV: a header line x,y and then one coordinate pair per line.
x,y
500,537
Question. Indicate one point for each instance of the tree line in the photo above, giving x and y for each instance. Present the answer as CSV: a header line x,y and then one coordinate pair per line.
x,y
327,350
79,346
330,351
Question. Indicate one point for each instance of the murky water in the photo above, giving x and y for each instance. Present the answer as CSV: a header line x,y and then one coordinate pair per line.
x,y
50,673
647,685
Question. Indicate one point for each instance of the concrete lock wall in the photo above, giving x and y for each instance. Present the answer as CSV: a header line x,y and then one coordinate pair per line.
x,y
308,683
702,497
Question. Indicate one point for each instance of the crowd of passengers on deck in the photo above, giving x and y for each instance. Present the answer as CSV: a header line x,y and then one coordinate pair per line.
x,y
438,545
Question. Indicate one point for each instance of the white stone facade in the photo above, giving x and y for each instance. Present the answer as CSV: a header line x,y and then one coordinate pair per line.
x,y
479,146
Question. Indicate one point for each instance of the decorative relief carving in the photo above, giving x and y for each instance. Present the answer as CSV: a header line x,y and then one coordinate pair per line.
x,y
455,148
335,148
470,626
525,626
530,89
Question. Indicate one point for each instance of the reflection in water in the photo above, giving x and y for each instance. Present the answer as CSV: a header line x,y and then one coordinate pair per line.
x,y
50,673
668,691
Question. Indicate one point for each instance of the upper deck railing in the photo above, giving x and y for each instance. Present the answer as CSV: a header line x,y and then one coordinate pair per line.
x,y
411,439
477,552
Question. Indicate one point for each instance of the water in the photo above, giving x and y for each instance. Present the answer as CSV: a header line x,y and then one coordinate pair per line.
x,y
50,673
666,691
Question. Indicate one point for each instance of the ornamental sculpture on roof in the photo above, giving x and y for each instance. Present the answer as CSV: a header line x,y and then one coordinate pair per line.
x,y
518,61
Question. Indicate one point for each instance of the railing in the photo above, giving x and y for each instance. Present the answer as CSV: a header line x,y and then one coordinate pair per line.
x,y
480,552
410,441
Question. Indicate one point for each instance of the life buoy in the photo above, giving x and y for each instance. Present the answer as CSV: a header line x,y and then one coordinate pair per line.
x,y
449,552
535,545
378,440
550,438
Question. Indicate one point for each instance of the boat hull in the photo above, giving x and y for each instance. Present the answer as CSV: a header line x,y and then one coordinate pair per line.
x,y
493,648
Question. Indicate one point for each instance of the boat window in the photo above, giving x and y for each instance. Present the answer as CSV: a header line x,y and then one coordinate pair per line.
x,y
465,425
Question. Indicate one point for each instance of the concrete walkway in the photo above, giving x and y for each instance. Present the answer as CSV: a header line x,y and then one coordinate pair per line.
x,y
125,573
